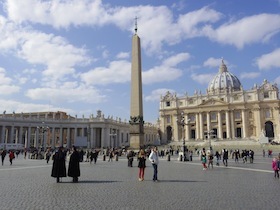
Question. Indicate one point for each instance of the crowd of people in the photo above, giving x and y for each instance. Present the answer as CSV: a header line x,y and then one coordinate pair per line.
x,y
75,156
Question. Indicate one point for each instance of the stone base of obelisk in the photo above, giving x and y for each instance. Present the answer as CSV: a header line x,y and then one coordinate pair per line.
x,y
136,141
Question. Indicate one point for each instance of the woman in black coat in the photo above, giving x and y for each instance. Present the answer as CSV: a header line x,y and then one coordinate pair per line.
x,y
59,168
74,165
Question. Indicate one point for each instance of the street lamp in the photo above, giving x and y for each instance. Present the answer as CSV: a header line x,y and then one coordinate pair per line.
x,y
113,134
181,121
43,129
209,136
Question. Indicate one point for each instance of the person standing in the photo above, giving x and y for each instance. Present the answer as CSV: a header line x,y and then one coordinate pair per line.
x,y
141,164
225,157
59,168
11,156
130,158
3,155
203,159
275,167
153,157
74,165
48,155
210,159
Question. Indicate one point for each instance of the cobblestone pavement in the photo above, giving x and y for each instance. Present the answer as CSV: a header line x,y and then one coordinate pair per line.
x,y
27,184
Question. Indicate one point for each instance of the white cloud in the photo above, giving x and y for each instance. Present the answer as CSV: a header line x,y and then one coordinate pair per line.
x,y
94,13
116,72
68,93
248,30
249,75
18,107
212,62
167,71
202,78
176,59
55,52
156,94
123,55
60,14
268,61
6,86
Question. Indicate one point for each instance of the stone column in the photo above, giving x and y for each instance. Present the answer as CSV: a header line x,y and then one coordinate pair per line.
x,y
257,116
232,124
75,135
53,137
208,122
92,138
12,134
228,125
197,136
3,134
244,121
61,137
176,130
220,126
68,138
28,137
103,144
20,135
201,130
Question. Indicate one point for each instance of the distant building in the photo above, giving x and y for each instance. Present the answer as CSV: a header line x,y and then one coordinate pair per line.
x,y
226,111
53,129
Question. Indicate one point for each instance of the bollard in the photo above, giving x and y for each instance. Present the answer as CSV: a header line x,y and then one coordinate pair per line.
x,y
117,157
168,157
104,157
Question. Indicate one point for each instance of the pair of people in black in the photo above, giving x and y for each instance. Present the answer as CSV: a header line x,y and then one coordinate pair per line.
x,y
59,168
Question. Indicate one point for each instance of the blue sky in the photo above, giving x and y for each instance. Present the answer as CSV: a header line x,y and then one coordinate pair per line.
x,y
74,55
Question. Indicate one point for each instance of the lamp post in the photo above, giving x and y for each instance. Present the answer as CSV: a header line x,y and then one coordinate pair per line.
x,y
113,134
209,136
181,121
43,129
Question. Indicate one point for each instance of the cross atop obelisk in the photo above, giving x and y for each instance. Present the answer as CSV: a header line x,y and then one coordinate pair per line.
x,y
136,102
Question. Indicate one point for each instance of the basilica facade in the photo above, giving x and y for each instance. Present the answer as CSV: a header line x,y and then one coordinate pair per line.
x,y
226,111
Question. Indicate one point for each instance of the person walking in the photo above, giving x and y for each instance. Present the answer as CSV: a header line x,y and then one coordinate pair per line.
x,y
74,165
59,168
48,155
11,156
3,155
210,159
225,157
153,157
141,164
275,167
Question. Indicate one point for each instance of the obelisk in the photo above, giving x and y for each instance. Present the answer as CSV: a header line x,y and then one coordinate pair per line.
x,y
136,102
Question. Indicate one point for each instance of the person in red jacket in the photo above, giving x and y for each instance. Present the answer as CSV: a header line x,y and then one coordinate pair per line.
x,y
11,156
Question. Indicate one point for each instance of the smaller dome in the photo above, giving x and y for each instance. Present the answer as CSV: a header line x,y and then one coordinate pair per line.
x,y
224,80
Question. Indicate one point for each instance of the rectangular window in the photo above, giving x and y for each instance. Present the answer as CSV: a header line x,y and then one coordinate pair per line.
x,y
237,115
267,113
265,94
167,103
168,119
213,116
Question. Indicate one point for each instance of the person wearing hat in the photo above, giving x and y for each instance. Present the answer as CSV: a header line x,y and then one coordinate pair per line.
x,y
74,165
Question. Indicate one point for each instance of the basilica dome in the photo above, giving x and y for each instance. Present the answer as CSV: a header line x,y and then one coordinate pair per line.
x,y
224,80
